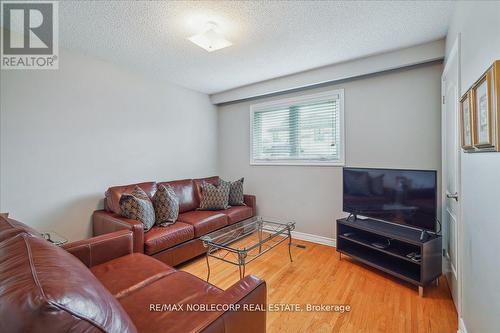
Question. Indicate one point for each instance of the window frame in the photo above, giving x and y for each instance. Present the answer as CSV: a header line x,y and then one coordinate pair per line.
x,y
287,102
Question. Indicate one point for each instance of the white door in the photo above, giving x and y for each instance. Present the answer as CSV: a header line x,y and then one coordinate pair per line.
x,y
451,171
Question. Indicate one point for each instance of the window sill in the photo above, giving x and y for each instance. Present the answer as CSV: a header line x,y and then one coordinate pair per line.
x,y
299,163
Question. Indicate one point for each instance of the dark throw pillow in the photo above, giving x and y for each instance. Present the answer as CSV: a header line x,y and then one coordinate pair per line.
x,y
236,193
215,197
137,206
166,205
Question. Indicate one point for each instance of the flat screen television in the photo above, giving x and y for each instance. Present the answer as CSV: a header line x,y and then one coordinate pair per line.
x,y
407,197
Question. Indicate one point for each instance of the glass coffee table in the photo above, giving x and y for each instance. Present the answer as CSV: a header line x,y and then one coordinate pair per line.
x,y
245,241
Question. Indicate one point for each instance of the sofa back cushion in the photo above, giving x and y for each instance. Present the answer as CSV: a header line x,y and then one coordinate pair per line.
x,y
9,228
184,190
187,190
113,194
46,289
214,180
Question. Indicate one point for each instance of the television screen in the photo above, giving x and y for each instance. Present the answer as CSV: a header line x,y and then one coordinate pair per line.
x,y
408,197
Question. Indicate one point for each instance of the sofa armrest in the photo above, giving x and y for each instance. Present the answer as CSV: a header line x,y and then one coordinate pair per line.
x,y
105,222
250,201
251,294
96,250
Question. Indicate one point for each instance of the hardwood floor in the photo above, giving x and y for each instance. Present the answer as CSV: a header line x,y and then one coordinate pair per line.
x,y
379,303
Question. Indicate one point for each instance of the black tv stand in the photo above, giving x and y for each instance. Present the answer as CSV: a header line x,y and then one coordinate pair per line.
x,y
355,238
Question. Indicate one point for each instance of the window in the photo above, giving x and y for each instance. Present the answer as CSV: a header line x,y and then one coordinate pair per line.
x,y
307,130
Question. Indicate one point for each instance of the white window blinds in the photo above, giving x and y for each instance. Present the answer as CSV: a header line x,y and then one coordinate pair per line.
x,y
305,130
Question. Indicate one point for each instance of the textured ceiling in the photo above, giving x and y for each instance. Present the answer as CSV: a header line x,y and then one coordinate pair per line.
x,y
271,39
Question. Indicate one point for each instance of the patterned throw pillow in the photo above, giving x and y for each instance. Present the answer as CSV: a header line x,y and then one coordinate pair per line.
x,y
236,193
215,197
137,206
166,206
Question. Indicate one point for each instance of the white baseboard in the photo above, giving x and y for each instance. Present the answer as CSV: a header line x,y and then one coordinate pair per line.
x,y
461,326
313,238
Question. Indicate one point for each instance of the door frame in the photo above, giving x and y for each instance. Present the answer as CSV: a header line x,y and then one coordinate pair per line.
x,y
454,54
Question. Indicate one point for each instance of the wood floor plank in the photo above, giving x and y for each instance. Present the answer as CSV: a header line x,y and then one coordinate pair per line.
x,y
379,302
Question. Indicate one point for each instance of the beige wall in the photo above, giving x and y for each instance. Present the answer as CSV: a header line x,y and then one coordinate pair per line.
x,y
68,134
478,24
392,120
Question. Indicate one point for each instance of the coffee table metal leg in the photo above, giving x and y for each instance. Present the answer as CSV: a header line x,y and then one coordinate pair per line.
x,y
260,240
241,265
208,267
290,245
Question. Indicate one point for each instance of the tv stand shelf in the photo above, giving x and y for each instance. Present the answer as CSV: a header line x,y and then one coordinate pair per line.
x,y
355,238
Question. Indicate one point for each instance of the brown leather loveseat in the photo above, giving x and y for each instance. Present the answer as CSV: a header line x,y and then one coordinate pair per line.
x,y
179,242
101,285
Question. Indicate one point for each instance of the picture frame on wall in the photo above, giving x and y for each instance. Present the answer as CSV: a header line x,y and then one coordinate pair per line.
x,y
482,103
485,111
466,122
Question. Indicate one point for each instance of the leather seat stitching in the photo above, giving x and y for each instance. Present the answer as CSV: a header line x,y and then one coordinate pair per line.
x,y
142,284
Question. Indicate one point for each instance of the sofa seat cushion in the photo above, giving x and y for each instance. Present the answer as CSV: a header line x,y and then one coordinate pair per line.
x,y
238,213
179,288
161,238
126,274
204,221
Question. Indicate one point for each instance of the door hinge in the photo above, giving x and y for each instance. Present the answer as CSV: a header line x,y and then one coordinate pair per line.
x,y
443,99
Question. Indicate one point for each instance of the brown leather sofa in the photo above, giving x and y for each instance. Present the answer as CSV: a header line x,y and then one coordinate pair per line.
x,y
179,242
101,285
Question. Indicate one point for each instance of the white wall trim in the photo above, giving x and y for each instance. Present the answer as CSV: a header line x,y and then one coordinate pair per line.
x,y
461,326
401,58
313,238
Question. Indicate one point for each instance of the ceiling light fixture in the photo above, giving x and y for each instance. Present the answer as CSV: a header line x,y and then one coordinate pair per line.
x,y
210,40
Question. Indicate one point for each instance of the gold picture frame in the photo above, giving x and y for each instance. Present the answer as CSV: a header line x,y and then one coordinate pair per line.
x,y
485,110
496,99
466,122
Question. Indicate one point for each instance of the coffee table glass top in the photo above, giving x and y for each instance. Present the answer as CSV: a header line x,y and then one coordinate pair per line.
x,y
242,242
226,236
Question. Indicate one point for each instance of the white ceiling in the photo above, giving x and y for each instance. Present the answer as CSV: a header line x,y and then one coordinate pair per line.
x,y
271,39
